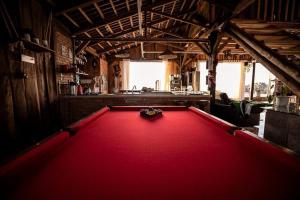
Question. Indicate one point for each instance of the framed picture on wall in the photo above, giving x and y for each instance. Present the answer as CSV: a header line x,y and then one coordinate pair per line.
x,y
64,51
70,53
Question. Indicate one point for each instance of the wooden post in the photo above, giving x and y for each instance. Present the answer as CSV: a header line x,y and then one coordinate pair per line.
x,y
213,41
253,80
73,50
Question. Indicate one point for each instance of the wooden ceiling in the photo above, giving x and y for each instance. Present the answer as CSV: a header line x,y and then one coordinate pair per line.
x,y
110,26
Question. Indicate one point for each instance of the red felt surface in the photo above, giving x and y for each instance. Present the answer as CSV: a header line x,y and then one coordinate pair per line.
x,y
179,156
84,122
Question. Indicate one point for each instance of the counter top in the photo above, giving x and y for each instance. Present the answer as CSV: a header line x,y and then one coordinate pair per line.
x,y
74,108
155,95
282,110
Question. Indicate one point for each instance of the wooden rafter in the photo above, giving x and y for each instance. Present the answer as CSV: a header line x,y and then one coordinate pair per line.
x,y
266,52
99,10
243,4
113,7
114,47
175,17
131,30
121,16
120,24
81,47
140,20
73,6
172,10
142,39
70,19
85,15
224,44
293,85
182,6
127,5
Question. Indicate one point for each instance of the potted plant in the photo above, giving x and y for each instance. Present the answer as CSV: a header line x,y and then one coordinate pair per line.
x,y
282,99
270,97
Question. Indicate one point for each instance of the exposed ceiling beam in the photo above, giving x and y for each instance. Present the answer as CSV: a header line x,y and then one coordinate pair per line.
x,y
294,86
201,46
70,19
224,44
175,17
283,64
73,6
115,47
267,58
142,39
113,7
166,31
121,16
131,30
128,5
243,4
99,10
181,52
140,19
136,28
82,46
85,15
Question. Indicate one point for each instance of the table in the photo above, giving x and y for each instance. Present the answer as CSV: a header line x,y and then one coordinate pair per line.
x,y
185,154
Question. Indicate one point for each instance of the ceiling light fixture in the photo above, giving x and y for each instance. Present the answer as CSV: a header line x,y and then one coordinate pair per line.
x,y
167,54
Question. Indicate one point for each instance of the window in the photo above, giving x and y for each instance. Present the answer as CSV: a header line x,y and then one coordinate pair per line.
x,y
229,79
262,82
144,74
203,75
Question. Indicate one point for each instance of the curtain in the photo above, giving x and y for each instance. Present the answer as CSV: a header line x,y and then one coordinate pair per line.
x,y
170,69
124,64
242,82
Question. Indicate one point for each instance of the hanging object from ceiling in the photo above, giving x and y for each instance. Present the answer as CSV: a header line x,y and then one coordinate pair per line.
x,y
167,54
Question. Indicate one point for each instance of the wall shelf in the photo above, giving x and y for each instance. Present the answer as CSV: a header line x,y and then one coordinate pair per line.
x,y
82,73
36,47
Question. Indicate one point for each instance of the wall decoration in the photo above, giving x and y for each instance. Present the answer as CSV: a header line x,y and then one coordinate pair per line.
x,y
64,51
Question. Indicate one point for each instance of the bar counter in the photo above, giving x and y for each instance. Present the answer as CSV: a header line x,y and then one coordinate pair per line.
x,y
283,127
73,108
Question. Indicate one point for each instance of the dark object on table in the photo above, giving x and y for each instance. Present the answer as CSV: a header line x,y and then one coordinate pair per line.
x,y
145,89
225,99
151,113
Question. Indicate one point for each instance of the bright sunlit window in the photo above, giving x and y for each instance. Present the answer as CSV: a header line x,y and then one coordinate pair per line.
x,y
203,75
144,74
262,82
228,79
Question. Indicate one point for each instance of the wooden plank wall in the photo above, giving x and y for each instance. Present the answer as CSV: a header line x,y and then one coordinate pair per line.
x,y
28,109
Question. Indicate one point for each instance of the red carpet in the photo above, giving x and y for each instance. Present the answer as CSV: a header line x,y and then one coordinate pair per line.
x,y
179,156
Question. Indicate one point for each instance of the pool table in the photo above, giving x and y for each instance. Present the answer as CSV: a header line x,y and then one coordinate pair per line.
x,y
185,154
